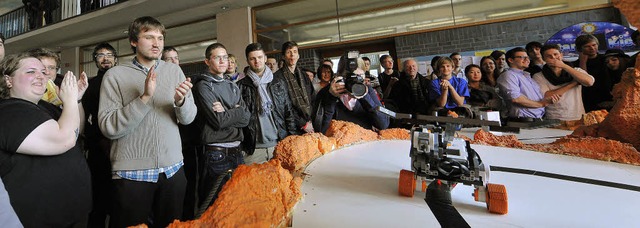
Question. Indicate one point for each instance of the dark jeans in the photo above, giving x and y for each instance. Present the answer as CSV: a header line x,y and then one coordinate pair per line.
x,y
215,164
156,204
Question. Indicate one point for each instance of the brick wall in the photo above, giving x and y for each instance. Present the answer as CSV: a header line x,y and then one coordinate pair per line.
x,y
490,36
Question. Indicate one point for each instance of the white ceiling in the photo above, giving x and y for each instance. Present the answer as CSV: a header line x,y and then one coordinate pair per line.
x,y
109,23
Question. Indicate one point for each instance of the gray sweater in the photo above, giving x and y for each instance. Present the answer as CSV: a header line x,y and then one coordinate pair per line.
x,y
145,136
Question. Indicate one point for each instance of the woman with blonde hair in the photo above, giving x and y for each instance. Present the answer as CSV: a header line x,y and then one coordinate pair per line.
x,y
43,169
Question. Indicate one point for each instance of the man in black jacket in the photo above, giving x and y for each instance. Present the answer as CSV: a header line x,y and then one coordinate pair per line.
x,y
299,86
105,57
410,94
267,98
221,114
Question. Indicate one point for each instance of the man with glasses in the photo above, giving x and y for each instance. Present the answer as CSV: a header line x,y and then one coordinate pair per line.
x,y
522,94
221,116
170,54
105,57
141,104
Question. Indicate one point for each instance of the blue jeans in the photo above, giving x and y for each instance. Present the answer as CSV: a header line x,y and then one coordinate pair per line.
x,y
216,164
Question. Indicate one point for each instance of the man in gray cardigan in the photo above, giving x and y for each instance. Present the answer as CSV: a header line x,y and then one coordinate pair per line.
x,y
141,104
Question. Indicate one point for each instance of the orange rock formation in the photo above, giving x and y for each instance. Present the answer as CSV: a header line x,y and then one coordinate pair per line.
x,y
296,151
258,195
623,122
347,133
395,133
586,147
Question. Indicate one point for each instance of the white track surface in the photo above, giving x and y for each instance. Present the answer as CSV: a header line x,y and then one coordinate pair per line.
x,y
357,186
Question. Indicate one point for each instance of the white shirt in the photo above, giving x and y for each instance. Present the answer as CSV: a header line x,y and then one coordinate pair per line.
x,y
569,107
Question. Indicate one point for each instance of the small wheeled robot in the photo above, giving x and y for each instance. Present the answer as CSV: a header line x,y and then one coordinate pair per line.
x,y
439,161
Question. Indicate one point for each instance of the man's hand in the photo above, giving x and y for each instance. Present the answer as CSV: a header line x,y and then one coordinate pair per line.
x,y
445,85
181,92
337,88
582,60
308,127
557,63
554,98
217,107
149,86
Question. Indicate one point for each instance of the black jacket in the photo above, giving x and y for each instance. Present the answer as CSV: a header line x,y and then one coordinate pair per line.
x,y
219,127
364,112
300,118
403,99
282,110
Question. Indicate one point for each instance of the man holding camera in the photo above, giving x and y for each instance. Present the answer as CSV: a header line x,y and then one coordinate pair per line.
x,y
341,102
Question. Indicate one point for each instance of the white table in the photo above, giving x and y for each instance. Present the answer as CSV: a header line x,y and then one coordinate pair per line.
x,y
357,186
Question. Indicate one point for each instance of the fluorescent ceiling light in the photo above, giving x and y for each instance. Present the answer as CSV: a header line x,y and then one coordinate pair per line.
x,y
438,23
368,33
543,8
314,41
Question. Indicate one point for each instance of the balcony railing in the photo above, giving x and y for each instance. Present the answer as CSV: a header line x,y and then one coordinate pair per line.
x,y
17,21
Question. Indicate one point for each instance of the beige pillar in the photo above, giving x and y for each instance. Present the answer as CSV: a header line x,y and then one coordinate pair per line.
x,y
234,32
69,61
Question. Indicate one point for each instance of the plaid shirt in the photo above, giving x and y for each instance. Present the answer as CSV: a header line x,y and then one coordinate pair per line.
x,y
148,175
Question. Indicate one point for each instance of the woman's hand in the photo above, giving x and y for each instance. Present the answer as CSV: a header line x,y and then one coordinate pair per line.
x,y
69,89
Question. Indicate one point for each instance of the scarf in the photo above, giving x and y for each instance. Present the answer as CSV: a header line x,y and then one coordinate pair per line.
x,y
261,83
553,79
298,91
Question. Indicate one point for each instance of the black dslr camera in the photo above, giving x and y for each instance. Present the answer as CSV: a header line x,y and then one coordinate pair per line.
x,y
354,83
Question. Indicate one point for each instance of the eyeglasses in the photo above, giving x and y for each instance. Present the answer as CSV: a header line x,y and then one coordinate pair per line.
x,y
221,57
103,55
52,68
521,57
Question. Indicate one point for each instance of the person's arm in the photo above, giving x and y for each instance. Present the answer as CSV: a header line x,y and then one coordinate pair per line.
x,y
370,103
580,75
51,137
328,98
459,100
184,105
115,118
217,114
289,118
437,93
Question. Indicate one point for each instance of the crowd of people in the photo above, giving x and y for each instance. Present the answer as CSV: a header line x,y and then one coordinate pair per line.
x,y
160,144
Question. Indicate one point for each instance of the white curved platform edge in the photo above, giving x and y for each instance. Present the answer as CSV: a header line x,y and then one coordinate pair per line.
x,y
357,187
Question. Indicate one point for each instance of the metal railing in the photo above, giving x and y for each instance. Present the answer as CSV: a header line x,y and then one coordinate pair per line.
x,y
16,22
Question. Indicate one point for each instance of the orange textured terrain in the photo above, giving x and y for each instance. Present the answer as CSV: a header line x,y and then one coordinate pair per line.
x,y
630,9
586,147
258,195
297,150
263,195
395,133
623,122
347,133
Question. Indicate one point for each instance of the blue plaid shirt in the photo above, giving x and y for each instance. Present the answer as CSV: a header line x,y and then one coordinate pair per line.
x,y
148,175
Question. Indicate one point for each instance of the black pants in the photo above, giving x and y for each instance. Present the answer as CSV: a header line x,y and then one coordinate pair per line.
x,y
190,154
156,204
100,166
